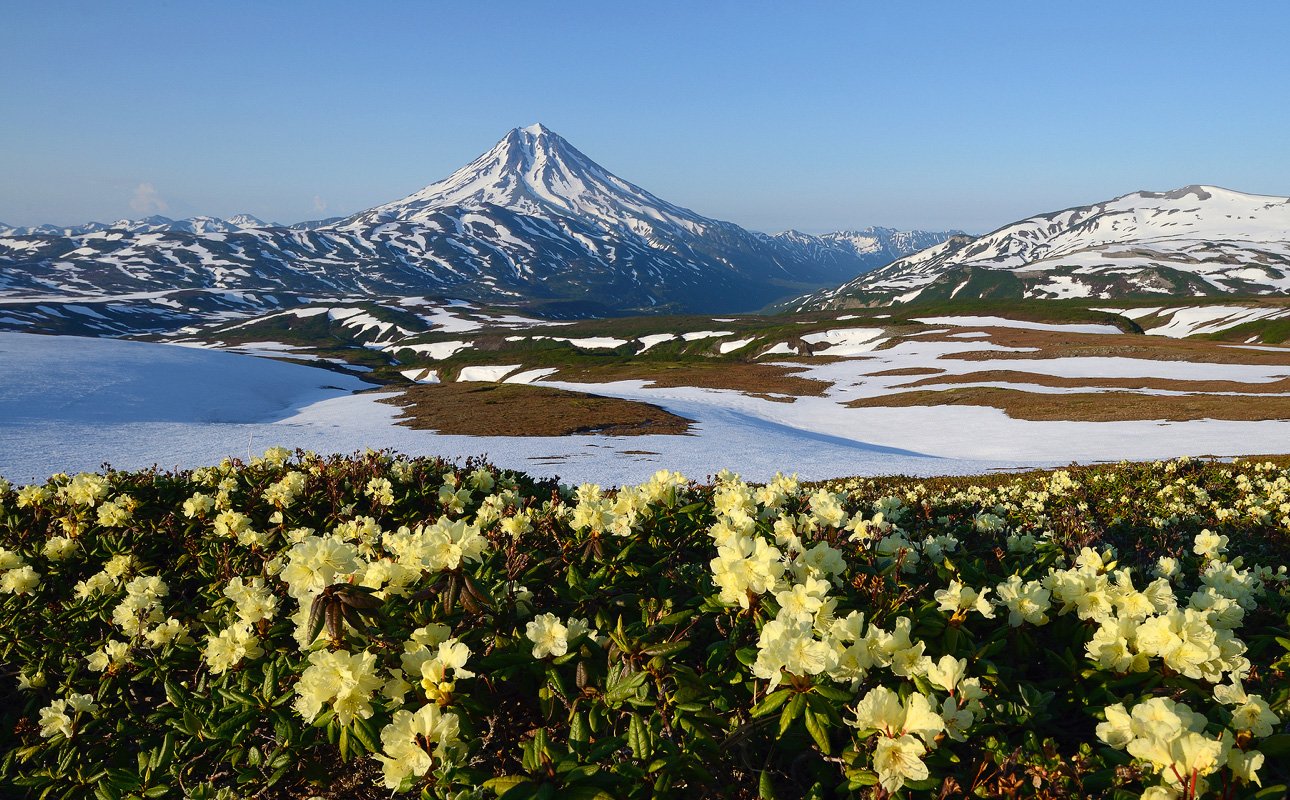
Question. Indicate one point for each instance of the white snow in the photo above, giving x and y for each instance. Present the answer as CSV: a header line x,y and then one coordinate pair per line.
x,y
1131,313
489,373
432,350
846,341
593,342
654,338
780,348
693,336
730,347
1265,347
530,375
447,322
421,375
1197,320
1003,322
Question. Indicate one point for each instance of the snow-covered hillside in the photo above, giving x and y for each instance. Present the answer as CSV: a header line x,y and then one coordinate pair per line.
x,y
1196,240
533,222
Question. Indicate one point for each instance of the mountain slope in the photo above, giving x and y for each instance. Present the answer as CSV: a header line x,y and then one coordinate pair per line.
x,y
1196,240
531,222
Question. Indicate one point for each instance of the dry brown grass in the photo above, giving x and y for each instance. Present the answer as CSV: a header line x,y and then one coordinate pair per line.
x,y
758,380
1168,384
511,409
1092,406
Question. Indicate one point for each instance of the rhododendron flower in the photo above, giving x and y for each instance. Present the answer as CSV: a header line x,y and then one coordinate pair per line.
x,y
225,650
58,716
1209,544
959,600
549,636
344,680
405,739
22,580
58,548
1026,601
110,656
254,600
881,709
898,760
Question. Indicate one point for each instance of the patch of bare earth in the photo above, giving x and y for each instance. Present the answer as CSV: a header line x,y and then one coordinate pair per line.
x,y
1166,384
511,409
1092,406
759,380
1060,344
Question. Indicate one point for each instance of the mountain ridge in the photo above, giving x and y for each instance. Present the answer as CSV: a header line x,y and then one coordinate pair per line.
x,y
1194,240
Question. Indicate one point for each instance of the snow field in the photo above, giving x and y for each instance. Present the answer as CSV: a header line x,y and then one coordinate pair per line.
x,y
71,404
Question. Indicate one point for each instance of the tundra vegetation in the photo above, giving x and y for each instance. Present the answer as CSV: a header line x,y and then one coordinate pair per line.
x,y
302,626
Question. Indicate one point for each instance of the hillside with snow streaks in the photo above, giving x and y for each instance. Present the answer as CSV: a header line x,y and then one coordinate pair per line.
x,y
1194,241
533,222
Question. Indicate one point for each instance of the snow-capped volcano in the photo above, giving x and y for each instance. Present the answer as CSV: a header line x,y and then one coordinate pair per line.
x,y
536,171
1195,240
533,222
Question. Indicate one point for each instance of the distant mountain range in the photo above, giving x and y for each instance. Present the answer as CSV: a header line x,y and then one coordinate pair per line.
x,y
153,224
1193,241
533,222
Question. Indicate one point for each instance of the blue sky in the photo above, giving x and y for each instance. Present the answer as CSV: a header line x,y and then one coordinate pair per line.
x,y
813,115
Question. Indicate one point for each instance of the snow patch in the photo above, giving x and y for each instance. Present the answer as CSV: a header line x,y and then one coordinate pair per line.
x,y
491,374
730,347
1003,322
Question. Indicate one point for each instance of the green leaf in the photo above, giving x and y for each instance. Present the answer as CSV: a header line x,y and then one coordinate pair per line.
x,y
859,778
638,738
161,756
817,726
834,693
619,688
765,787
501,786
665,648
771,703
364,732
343,744
173,694
791,712
578,729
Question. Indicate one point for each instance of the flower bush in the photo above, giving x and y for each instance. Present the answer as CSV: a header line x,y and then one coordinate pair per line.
x,y
301,626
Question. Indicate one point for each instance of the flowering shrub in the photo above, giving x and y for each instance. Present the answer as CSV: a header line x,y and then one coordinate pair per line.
x,y
352,627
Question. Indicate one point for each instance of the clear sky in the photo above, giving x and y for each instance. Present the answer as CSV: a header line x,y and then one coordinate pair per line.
x,y
813,115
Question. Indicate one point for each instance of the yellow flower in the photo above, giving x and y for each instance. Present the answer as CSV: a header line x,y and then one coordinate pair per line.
x,y
549,636
899,759
23,580
345,680
405,740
